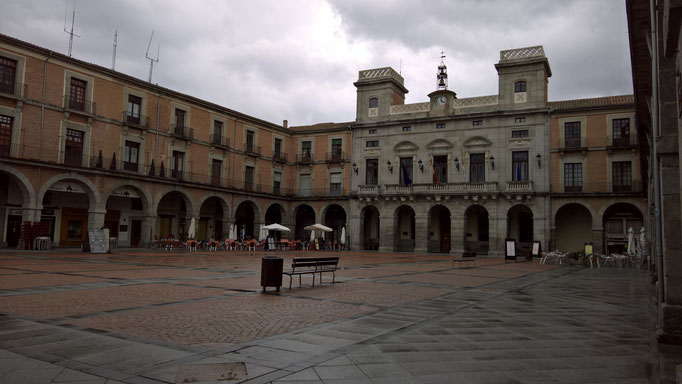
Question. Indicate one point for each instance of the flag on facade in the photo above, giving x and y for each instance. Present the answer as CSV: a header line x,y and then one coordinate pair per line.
x,y
433,171
406,176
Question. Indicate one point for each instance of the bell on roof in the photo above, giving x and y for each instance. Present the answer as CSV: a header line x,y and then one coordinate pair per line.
x,y
442,74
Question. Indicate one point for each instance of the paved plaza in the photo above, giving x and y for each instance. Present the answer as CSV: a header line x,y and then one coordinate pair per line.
x,y
152,317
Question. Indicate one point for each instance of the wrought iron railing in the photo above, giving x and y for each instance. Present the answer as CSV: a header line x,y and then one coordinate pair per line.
x,y
182,132
135,119
336,156
15,89
252,149
81,105
220,141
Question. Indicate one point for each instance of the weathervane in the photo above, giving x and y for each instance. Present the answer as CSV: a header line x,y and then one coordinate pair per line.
x,y
73,19
442,74
152,61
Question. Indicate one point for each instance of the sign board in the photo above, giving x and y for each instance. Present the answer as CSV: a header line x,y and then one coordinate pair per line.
x,y
537,248
99,240
15,212
510,249
589,248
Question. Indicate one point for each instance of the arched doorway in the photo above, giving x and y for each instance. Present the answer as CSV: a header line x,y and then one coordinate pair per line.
x,y
65,205
211,216
476,229
334,218
439,229
172,212
520,225
274,214
573,227
305,216
370,228
618,219
126,207
14,197
404,229
244,220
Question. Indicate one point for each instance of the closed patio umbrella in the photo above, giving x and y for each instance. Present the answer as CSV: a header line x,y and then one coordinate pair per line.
x,y
342,240
192,229
631,241
231,235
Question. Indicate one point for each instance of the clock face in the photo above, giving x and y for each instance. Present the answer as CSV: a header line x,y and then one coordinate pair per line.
x,y
442,100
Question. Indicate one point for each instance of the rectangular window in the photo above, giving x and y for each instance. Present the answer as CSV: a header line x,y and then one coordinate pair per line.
x,y
216,167
406,171
519,134
6,135
621,132
477,123
572,135
519,120
304,185
622,176
407,128
250,141
277,183
306,151
520,166
178,165
337,150
179,129
477,167
131,156
278,148
372,171
573,177
440,167
73,150
372,131
248,179
77,95
335,184
8,74
440,125
134,109
372,144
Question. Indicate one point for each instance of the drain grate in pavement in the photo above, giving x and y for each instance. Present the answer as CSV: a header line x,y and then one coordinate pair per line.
x,y
210,373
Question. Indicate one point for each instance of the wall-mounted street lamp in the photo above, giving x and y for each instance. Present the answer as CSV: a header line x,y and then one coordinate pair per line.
x,y
68,188
457,163
355,168
421,165
390,166
539,157
492,161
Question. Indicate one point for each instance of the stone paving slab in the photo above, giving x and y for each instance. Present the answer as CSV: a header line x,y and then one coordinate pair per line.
x,y
43,280
445,279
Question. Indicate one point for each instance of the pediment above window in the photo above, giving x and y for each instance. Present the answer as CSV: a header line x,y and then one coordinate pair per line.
x,y
439,144
477,141
405,146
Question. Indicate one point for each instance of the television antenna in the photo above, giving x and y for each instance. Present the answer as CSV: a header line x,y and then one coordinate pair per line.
x,y
73,19
151,60
113,57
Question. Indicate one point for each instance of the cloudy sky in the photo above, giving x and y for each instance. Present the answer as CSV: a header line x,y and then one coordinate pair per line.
x,y
298,59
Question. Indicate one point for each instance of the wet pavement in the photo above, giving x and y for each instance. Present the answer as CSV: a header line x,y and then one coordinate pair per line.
x,y
144,317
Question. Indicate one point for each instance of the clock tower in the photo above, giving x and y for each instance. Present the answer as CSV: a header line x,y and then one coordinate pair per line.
x,y
442,97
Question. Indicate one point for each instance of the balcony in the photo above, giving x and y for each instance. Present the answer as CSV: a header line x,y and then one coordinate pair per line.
x,y
525,186
135,120
219,141
13,89
626,142
369,190
182,132
79,105
252,149
279,157
443,188
130,166
304,158
579,144
336,157
600,189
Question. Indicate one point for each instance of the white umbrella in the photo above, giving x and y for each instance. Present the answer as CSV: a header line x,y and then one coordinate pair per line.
x,y
192,229
631,241
343,236
319,227
276,227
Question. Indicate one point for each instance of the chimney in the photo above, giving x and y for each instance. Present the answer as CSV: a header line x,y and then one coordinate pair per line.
x,y
285,124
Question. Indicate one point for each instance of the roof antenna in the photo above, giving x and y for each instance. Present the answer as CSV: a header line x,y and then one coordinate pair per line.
x,y
113,57
73,19
152,61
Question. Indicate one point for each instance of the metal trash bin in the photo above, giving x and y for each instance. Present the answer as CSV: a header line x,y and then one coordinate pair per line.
x,y
271,272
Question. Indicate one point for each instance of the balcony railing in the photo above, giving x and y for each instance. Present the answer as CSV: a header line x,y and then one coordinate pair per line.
x,y
369,190
520,186
80,105
15,89
135,120
601,188
182,132
621,142
336,156
279,157
443,188
304,158
322,192
130,166
568,144
220,141
252,149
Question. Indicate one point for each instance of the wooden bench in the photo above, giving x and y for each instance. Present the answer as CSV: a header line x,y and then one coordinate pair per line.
x,y
312,265
468,260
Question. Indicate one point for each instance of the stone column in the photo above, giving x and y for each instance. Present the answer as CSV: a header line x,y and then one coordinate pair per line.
x,y
457,235
598,240
497,233
353,233
227,224
96,218
147,234
387,234
421,235
540,231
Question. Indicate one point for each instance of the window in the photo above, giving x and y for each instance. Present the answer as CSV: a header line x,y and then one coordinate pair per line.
x,y
477,123
477,167
440,125
278,149
216,167
304,184
621,132
622,176
337,152
520,166
217,133
5,135
277,183
73,149
131,156
372,131
374,102
440,168
573,177
250,141
518,120
134,108
77,95
335,184
178,165
520,86
179,128
405,170
8,74
407,128
372,171
519,134
306,151
572,135
372,144
248,178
